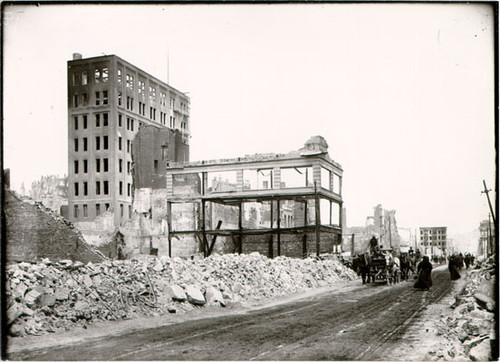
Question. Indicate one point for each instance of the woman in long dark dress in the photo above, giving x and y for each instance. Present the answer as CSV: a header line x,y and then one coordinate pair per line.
x,y
453,268
424,270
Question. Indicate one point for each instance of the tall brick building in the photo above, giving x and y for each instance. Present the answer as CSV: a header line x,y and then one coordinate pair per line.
x,y
110,101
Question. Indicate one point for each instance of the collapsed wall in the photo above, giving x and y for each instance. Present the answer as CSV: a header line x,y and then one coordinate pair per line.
x,y
34,231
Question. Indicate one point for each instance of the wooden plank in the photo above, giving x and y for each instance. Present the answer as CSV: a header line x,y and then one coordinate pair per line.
x,y
169,227
278,224
240,227
214,237
304,237
317,216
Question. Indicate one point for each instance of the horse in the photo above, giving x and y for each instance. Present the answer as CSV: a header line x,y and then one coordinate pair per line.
x,y
406,267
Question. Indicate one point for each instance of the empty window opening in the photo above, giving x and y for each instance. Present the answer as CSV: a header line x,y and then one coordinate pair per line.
x,y
104,75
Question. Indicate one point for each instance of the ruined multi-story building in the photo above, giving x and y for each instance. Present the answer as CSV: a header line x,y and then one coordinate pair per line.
x,y
110,101
433,240
275,204
382,225
486,242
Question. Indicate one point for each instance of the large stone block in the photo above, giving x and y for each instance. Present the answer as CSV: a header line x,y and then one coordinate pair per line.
x,y
177,293
481,352
213,295
32,298
194,295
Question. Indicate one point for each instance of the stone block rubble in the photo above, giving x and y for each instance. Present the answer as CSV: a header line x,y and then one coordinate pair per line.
x,y
49,297
469,330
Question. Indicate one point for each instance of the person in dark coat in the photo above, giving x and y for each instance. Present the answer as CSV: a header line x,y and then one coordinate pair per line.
x,y
453,267
424,270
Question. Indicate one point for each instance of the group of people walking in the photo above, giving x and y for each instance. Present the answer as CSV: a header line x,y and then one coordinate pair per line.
x,y
400,267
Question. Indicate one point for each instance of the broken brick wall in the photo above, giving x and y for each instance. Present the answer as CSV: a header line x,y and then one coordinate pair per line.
x,y
34,232
153,149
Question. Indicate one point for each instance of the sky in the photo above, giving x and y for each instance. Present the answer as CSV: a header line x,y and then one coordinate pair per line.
x,y
402,93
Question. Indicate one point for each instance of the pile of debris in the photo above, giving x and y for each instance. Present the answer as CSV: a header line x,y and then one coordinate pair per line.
x,y
470,328
51,297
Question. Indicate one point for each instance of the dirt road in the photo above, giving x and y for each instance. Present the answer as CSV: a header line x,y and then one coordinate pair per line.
x,y
363,323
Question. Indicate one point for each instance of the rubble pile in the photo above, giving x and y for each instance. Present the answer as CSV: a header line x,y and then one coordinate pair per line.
x,y
470,328
56,296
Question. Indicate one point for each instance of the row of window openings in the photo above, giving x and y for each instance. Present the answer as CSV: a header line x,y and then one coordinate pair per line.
x,y
82,99
105,188
130,121
152,90
105,166
102,75
76,210
105,144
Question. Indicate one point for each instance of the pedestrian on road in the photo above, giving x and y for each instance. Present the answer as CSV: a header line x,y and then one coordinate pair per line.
x,y
453,267
424,270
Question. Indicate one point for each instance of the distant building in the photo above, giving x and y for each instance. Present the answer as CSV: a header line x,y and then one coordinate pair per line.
x,y
486,244
382,225
109,100
433,240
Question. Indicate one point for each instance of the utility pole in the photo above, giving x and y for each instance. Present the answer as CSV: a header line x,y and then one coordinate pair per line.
x,y
486,191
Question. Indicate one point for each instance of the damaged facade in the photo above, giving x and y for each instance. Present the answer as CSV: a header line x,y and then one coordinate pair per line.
x,y
109,100
124,126
286,204
382,225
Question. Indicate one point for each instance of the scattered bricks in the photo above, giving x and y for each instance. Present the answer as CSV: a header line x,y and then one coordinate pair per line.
x,y
194,295
61,294
65,262
96,280
20,290
177,293
87,281
31,298
158,266
47,300
81,306
237,287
